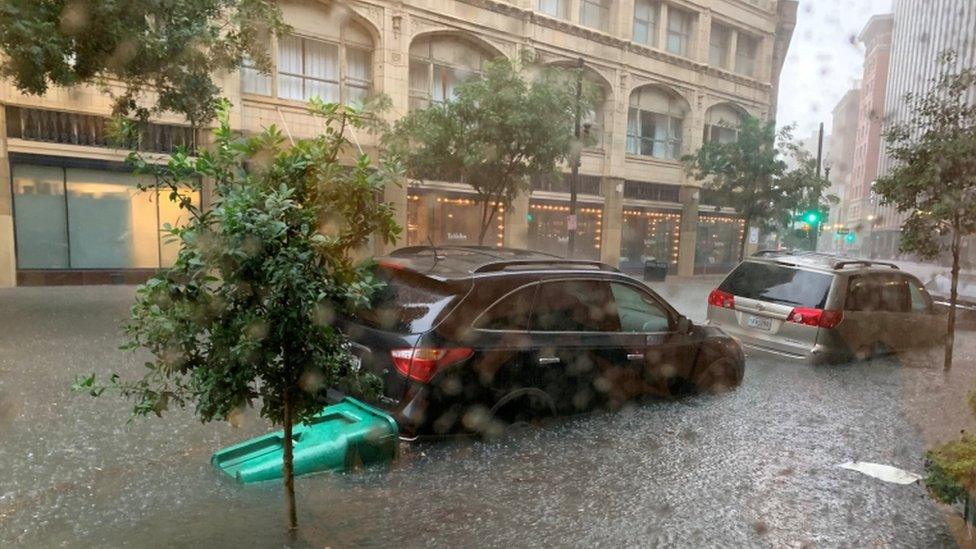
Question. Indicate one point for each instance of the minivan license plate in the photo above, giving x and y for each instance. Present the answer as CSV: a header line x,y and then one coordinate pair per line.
x,y
759,322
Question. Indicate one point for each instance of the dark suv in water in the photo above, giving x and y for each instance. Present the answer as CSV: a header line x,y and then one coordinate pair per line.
x,y
473,338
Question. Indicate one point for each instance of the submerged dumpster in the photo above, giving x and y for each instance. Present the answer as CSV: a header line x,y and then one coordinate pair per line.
x,y
655,270
342,436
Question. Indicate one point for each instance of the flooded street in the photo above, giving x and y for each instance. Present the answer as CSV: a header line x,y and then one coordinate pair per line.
x,y
755,467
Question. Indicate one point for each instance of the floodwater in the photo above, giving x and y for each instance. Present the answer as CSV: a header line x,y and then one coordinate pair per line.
x,y
755,467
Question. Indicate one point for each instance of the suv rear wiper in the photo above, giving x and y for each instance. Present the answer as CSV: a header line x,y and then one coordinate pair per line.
x,y
785,301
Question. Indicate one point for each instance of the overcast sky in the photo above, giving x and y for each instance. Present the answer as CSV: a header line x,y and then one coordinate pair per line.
x,y
823,61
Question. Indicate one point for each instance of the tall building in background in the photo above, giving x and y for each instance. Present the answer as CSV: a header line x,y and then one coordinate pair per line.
x,y
843,133
922,29
859,214
671,74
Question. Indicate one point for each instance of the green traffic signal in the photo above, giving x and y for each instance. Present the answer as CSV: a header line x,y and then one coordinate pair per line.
x,y
812,217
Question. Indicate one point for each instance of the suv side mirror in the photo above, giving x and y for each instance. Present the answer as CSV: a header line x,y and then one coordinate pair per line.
x,y
684,325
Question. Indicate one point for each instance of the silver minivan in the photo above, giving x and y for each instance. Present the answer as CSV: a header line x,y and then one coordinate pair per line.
x,y
821,308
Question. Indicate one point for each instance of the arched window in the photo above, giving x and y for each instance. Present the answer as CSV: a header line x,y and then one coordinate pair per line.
x,y
654,123
335,64
593,121
438,64
722,123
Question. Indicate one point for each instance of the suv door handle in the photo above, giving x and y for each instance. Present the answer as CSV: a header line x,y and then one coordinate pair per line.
x,y
635,356
548,360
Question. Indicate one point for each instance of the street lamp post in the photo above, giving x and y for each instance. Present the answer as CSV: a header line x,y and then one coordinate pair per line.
x,y
571,222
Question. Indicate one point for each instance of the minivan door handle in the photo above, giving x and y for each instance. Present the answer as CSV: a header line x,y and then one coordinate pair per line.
x,y
548,360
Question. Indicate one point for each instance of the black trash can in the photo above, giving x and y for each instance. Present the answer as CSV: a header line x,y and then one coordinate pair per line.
x,y
655,270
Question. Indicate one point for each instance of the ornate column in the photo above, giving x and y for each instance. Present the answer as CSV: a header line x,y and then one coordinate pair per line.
x,y
8,261
517,222
612,189
689,197
392,64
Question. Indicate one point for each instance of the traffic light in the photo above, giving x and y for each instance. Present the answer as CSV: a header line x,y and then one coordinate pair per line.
x,y
812,217
850,237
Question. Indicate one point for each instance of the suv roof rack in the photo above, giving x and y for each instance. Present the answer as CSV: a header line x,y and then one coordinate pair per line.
x,y
496,266
865,263
767,253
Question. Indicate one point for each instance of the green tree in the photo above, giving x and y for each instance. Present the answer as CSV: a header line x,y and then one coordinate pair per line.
x,y
934,175
805,201
498,132
163,54
750,175
246,313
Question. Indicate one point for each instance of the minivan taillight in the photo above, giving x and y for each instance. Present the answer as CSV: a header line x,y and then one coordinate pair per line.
x,y
421,364
815,317
718,298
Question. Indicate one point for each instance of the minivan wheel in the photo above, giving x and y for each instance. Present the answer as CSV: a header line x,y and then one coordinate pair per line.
x,y
718,377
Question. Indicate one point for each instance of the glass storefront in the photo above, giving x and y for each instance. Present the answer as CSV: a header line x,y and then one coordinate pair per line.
x,y
717,247
649,235
79,218
548,232
449,220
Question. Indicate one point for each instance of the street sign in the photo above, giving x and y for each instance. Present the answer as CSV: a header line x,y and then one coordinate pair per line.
x,y
844,230
571,222
754,235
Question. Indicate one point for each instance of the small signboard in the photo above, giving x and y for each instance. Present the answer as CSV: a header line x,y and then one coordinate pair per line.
x,y
571,222
754,235
844,230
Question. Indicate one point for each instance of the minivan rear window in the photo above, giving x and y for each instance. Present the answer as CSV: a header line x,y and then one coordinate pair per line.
x,y
409,303
778,284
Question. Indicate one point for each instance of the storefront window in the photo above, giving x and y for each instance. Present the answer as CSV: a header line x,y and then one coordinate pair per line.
x,y
446,220
649,235
717,249
548,232
42,236
74,218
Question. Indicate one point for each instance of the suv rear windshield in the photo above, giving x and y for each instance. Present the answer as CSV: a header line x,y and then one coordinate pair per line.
x,y
410,303
779,284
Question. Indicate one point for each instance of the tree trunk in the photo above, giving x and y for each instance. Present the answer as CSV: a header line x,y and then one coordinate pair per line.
x,y
484,224
953,294
288,465
487,217
742,241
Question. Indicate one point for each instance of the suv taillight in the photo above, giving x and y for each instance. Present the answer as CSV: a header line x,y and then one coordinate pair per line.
x,y
718,298
815,317
421,364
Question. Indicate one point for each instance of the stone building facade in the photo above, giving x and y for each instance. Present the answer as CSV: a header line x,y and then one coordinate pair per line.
x,y
921,31
669,72
859,197
844,131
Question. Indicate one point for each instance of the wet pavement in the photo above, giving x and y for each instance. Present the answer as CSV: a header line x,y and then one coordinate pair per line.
x,y
755,467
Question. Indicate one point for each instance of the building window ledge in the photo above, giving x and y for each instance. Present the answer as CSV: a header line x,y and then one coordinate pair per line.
x,y
652,161
289,104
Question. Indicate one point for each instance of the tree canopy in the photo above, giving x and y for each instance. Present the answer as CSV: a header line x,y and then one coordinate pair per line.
x,y
162,53
500,130
933,178
750,174
247,312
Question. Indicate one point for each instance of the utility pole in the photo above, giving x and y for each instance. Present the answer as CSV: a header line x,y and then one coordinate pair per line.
x,y
819,150
815,230
571,221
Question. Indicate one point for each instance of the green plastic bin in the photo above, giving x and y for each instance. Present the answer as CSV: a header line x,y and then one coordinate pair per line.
x,y
341,436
